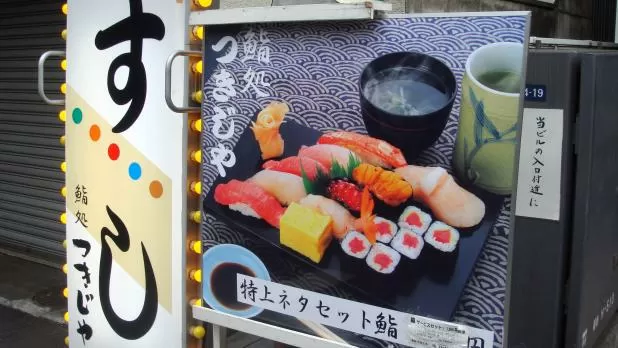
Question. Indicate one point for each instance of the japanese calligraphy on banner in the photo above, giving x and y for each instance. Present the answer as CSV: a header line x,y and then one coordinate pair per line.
x,y
381,323
540,164
125,158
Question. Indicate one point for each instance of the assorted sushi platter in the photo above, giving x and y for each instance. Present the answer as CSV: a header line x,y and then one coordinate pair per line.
x,y
402,235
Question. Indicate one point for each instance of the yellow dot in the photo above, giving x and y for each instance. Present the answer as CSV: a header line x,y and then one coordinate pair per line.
x,y
64,34
197,156
197,125
196,246
66,316
62,115
63,64
198,332
63,140
196,187
196,275
63,218
65,9
197,96
65,268
63,191
198,67
63,167
198,32
196,216
65,292
64,244
66,341
63,88
196,302
203,3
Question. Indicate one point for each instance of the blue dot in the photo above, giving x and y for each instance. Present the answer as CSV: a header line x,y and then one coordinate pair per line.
x,y
135,171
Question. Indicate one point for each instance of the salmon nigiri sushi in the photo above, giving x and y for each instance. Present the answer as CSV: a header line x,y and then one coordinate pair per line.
x,y
249,199
326,154
448,201
287,188
371,150
296,165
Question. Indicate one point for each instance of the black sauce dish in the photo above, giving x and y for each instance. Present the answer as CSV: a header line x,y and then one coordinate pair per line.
x,y
411,134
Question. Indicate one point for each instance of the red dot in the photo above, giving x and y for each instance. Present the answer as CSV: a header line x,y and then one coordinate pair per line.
x,y
113,151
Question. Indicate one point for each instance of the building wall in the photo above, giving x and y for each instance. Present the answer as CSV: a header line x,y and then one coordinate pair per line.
x,y
569,19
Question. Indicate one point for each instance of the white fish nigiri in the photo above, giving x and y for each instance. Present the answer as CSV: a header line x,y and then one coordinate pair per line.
x,y
327,153
287,188
343,221
448,201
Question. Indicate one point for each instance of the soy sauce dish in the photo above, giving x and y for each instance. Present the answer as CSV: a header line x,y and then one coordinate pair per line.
x,y
406,99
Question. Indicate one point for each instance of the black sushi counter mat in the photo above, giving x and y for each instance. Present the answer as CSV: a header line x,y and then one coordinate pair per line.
x,y
431,285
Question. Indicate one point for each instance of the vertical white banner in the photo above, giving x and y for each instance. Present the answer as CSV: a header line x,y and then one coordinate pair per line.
x,y
540,164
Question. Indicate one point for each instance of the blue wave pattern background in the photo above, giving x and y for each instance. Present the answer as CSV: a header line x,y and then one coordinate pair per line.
x,y
315,67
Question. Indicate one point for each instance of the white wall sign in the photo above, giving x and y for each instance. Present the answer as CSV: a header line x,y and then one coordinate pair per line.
x,y
126,175
381,323
540,164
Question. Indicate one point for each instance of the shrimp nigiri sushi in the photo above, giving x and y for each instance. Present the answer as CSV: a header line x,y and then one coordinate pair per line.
x,y
326,154
287,188
371,150
249,199
448,201
343,221
296,165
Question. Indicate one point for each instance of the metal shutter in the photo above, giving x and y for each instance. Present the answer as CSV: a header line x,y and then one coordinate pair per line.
x,y
30,151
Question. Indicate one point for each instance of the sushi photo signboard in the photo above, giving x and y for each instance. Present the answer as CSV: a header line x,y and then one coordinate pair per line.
x,y
357,175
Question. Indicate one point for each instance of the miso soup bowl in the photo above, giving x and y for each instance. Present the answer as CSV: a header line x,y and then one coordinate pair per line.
x,y
411,134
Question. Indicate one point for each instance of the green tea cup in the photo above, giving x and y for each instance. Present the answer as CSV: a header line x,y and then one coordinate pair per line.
x,y
488,120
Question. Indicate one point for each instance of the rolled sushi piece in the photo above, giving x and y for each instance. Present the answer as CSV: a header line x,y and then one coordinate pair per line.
x,y
386,229
408,243
442,237
415,220
356,245
383,259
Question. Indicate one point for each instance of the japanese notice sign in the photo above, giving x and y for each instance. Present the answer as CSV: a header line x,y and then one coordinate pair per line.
x,y
125,157
381,323
540,164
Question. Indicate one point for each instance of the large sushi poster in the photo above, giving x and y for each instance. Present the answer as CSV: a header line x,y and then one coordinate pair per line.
x,y
370,161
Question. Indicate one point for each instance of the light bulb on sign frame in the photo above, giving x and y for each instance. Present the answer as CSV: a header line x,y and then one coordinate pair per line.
x,y
198,332
196,187
62,115
63,191
196,246
198,32
196,216
64,34
196,156
65,268
63,167
197,125
63,140
203,3
65,9
196,275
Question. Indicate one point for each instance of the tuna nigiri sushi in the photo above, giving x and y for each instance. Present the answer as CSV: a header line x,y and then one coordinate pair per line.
x,y
343,221
296,165
448,201
249,199
326,154
287,188
371,150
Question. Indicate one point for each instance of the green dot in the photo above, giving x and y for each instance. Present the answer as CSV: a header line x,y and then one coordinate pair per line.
x,y
77,115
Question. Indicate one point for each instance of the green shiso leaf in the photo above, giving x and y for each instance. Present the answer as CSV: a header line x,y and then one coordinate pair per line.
x,y
317,185
338,171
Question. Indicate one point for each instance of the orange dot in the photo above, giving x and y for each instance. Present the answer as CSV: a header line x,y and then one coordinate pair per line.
x,y
156,189
95,132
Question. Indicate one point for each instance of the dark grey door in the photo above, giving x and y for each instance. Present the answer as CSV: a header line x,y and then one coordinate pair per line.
x,y
30,151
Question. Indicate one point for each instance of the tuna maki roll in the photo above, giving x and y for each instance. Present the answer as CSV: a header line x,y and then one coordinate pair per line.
x,y
408,243
383,259
442,237
415,220
356,245
386,229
